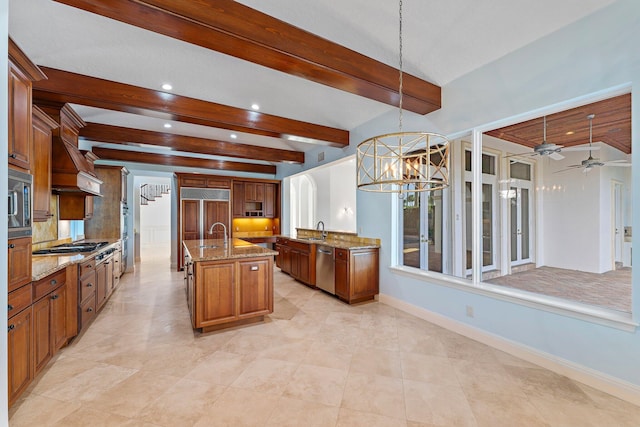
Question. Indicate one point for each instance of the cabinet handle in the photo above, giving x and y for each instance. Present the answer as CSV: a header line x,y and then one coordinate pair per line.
x,y
11,328
107,263
89,285
11,246
89,310
54,282
89,266
49,215
9,307
13,155
55,296
254,268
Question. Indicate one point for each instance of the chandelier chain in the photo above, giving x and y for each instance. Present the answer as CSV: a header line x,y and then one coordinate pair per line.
x,y
400,67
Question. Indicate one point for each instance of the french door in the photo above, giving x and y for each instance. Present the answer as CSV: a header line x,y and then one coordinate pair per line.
x,y
520,196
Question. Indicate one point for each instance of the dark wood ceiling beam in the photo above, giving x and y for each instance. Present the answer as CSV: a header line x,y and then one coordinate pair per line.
x,y
128,136
231,28
66,87
180,161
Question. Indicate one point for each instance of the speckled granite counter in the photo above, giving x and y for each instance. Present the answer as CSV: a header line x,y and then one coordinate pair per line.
x,y
215,249
44,265
363,243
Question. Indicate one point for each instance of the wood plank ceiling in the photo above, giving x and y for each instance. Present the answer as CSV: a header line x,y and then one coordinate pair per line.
x,y
611,125
231,28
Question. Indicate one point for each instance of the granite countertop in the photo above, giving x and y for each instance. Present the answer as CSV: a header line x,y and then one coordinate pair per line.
x,y
44,265
215,249
335,243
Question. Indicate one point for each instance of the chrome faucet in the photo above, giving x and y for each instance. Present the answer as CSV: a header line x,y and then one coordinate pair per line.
x,y
224,227
324,233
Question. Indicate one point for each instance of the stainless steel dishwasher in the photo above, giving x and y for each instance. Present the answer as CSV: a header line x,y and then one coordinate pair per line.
x,y
325,278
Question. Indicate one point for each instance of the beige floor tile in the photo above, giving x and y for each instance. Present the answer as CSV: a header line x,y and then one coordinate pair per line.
x,y
317,384
459,347
544,384
132,395
41,411
429,369
411,339
92,417
239,408
563,413
266,376
334,356
477,378
374,393
182,404
220,368
90,383
504,410
369,360
351,418
292,350
437,404
296,413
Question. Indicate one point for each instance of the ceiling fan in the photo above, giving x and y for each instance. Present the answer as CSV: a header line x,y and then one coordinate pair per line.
x,y
551,150
589,163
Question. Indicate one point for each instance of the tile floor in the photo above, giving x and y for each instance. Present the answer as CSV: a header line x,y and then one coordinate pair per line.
x,y
315,362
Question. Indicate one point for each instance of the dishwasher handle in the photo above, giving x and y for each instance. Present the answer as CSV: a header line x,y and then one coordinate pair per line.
x,y
324,251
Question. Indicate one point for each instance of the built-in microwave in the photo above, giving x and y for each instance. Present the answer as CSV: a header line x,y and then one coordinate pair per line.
x,y
19,203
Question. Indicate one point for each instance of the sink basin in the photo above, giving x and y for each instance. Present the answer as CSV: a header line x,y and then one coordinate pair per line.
x,y
208,246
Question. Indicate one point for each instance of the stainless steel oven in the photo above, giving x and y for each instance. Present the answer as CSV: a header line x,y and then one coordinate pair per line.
x,y
19,203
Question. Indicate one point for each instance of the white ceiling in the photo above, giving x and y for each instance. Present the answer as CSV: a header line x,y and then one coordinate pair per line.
x,y
443,40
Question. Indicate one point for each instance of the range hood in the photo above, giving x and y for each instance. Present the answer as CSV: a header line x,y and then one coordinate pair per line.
x,y
71,171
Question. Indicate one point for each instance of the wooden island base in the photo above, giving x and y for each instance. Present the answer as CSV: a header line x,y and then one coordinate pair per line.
x,y
227,283
237,323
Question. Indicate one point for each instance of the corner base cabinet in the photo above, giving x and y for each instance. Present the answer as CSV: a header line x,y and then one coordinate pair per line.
x,y
227,293
356,274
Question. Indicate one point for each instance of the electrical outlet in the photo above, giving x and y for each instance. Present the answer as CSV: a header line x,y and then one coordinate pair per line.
x,y
469,311
321,156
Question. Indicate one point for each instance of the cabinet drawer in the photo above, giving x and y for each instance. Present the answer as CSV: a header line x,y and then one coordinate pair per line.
x,y
44,286
302,247
19,300
342,254
87,311
87,267
87,287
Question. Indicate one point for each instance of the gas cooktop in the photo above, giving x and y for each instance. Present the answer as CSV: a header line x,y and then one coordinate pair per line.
x,y
69,248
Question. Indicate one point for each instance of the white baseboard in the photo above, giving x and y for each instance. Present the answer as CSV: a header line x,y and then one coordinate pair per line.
x,y
598,380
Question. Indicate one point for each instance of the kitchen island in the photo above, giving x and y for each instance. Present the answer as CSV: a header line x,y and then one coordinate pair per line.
x,y
227,283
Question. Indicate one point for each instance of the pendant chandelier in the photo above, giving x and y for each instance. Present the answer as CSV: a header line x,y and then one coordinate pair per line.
x,y
403,161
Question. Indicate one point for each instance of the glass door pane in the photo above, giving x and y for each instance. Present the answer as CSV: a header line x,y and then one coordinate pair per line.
x,y
524,223
487,225
513,192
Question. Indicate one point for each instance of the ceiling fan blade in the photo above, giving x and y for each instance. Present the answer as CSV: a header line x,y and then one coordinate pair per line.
x,y
529,154
582,148
587,169
569,168
556,156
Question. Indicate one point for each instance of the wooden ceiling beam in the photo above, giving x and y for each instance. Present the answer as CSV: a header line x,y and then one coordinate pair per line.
x,y
234,29
66,87
181,161
128,136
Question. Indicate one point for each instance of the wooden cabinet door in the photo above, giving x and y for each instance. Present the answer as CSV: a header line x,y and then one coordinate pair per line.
x,y
215,211
286,259
238,199
108,273
75,206
59,333
41,161
215,294
191,220
295,263
363,274
304,267
253,288
101,285
20,353
19,119
42,332
18,262
341,266
269,204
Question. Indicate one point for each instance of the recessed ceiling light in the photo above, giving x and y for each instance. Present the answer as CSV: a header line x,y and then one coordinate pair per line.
x,y
255,107
233,136
167,125
167,86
